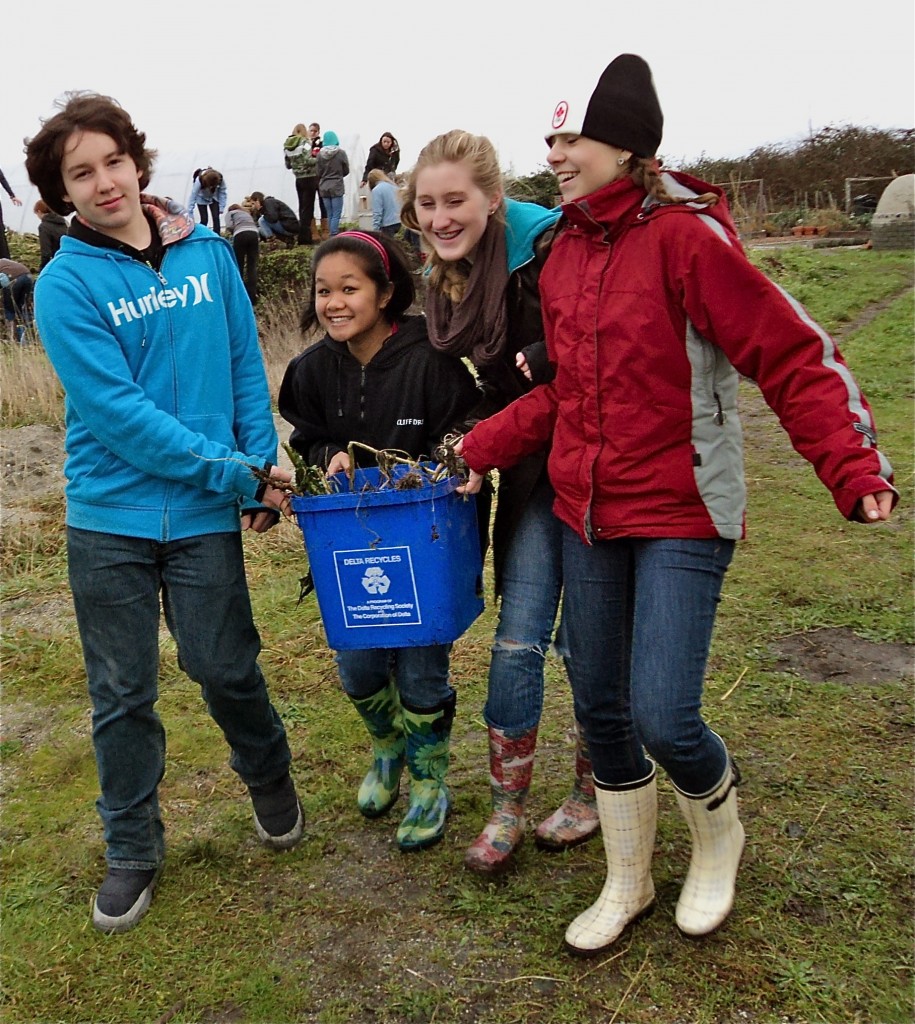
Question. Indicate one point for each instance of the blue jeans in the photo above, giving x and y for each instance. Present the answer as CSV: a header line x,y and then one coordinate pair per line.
x,y
272,228
334,207
17,299
638,617
116,583
420,673
531,585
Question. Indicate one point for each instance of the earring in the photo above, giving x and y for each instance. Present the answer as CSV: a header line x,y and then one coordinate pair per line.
x,y
621,160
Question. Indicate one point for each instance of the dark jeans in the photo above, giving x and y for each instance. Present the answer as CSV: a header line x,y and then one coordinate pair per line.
x,y
638,616
274,229
214,211
247,252
4,243
17,299
420,673
117,583
306,189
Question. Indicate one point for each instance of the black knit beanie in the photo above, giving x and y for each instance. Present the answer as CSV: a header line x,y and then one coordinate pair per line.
x,y
623,110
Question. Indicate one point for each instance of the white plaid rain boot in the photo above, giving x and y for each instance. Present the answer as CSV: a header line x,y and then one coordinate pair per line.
x,y
718,840
628,819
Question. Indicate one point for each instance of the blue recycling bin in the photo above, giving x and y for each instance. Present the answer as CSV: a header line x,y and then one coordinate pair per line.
x,y
393,567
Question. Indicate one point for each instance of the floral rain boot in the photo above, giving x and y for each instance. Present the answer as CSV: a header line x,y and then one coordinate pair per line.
x,y
428,737
511,765
381,714
576,820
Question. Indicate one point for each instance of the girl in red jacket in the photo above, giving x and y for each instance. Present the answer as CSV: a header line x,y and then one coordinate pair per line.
x,y
651,311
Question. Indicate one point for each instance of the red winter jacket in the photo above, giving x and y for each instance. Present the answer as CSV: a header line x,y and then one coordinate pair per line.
x,y
650,312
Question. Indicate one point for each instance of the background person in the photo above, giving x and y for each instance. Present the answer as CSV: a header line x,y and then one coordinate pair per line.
x,y
4,242
208,194
385,203
652,310
301,158
275,218
245,245
18,286
483,304
333,167
317,143
384,155
51,228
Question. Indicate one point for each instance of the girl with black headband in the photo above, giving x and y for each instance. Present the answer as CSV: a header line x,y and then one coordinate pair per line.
x,y
374,378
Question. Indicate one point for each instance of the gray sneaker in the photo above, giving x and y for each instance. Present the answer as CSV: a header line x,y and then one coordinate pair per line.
x,y
123,898
277,813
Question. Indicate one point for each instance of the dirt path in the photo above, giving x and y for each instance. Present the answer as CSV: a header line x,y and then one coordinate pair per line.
x,y
870,313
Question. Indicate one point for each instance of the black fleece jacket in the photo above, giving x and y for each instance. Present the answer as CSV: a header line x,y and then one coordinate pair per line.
x,y
407,397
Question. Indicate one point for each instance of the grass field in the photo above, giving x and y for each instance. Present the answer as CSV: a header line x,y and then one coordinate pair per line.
x,y
345,929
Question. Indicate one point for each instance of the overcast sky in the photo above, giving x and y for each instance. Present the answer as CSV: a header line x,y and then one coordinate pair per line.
x,y
730,75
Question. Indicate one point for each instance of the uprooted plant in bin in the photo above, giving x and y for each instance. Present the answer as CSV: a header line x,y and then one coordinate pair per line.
x,y
311,480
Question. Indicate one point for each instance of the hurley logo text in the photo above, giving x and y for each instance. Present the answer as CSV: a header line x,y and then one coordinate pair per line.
x,y
195,291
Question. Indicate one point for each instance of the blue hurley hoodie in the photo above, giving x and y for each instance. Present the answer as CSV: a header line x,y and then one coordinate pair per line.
x,y
167,403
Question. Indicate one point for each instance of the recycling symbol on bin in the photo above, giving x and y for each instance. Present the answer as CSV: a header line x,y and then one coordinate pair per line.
x,y
375,581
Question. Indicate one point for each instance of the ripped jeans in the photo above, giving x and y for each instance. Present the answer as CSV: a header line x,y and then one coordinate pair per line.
x,y
531,586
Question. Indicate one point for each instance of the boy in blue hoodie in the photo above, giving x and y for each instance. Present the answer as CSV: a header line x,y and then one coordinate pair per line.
x,y
146,322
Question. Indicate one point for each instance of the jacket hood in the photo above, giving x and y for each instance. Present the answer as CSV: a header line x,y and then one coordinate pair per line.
x,y
524,224
623,203
294,141
169,218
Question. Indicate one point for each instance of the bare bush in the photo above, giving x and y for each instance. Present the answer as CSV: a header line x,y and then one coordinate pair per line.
x,y
812,173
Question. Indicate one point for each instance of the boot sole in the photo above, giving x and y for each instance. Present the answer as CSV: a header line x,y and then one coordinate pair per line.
x,y
371,812
422,845
284,842
697,936
491,871
551,847
587,954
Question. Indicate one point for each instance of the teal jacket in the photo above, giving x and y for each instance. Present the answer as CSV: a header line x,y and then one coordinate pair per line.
x,y
524,224
167,404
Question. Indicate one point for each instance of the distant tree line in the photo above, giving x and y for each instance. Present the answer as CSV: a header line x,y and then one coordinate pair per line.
x,y
813,172
808,173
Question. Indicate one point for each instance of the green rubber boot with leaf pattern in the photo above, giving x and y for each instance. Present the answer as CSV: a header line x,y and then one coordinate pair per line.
x,y
382,715
428,736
